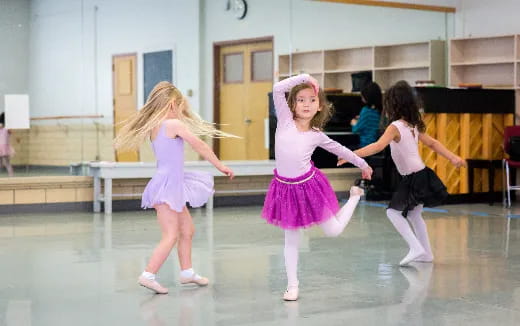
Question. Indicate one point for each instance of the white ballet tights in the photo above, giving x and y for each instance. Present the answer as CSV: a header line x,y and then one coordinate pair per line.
x,y
404,229
332,228
292,243
419,226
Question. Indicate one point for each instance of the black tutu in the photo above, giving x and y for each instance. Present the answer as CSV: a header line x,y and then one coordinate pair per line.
x,y
422,187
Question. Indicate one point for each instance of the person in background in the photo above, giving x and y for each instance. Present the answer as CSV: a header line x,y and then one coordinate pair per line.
x,y
6,150
367,123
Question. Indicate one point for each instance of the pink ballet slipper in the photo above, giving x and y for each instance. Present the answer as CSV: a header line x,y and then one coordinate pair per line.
x,y
291,294
195,279
152,285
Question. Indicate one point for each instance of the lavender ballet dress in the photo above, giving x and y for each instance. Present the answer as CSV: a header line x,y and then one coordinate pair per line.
x,y
171,184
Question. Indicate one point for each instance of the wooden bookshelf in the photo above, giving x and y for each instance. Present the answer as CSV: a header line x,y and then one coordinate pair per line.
x,y
388,64
410,62
490,61
304,62
401,55
283,66
517,85
517,68
500,75
342,80
494,49
349,60
388,77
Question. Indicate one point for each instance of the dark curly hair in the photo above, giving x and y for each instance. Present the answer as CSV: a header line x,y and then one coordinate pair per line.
x,y
400,102
326,109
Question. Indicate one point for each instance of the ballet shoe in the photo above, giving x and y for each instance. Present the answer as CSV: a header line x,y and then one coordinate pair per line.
x,y
195,279
152,285
291,294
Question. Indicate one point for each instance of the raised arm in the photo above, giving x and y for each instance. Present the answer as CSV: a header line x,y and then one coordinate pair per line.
x,y
283,112
177,128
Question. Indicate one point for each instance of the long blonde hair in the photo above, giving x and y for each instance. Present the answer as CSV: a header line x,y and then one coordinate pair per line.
x,y
164,95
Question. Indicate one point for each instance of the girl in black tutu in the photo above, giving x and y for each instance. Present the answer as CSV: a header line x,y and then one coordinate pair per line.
x,y
419,186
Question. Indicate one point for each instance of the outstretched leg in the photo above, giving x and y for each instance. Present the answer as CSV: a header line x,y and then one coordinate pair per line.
x,y
404,229
335,225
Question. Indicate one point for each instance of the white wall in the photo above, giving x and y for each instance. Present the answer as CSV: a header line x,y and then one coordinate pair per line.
x,y
70,72
55,65
14,47
68,56
73,41
303,25
487,18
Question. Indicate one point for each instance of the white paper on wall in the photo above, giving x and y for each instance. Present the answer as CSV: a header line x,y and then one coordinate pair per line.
x,y
16,111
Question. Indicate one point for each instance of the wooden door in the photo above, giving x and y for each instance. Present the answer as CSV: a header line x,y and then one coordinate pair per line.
x,y
245,79
125,98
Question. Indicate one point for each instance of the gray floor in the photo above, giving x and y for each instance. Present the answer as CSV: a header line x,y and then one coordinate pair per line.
x,y
81,269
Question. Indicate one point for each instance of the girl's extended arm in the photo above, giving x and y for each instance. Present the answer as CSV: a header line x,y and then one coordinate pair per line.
x,y
438,147
390,134
177,128
283,112
346,154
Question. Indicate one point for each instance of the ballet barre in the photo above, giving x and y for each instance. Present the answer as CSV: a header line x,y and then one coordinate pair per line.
x,y
61,117
108,171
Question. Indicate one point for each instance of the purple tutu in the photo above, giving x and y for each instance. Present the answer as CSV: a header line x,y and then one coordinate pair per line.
x,y
194,188
293,203
171,184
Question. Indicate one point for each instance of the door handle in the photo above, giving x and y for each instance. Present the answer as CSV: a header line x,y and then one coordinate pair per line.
x,y
248,121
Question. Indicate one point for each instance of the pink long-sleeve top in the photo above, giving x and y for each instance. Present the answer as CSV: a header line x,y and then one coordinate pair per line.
x,y
293,148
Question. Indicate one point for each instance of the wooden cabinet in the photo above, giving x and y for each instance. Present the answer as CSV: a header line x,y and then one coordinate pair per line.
x,y
387,63
489,61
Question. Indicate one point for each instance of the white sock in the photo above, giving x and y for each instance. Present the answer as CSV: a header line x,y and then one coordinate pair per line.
x,y
148,275
404,229
190,273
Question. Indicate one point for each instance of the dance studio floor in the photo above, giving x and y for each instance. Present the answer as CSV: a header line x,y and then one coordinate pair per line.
x,y
81,269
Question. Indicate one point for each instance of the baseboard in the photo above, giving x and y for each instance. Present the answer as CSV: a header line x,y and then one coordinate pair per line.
x,y
128,205
45,208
